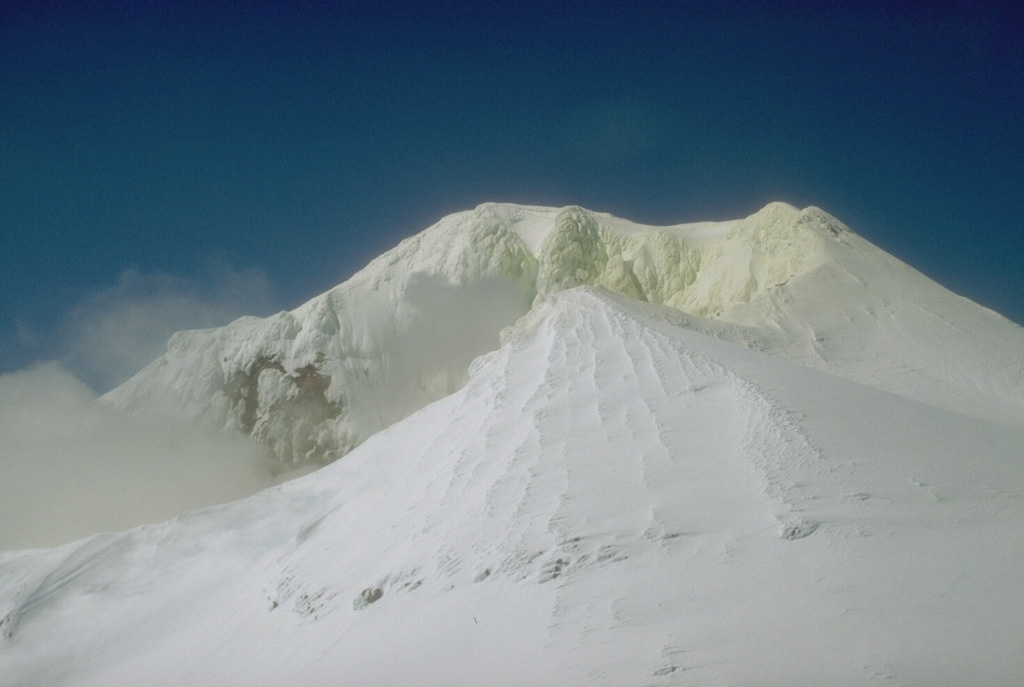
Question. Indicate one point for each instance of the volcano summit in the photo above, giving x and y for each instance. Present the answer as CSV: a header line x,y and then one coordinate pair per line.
x,y
561,448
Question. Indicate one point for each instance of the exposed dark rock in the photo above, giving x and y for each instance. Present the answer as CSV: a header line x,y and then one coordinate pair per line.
x,y
366,597
242,389
288,420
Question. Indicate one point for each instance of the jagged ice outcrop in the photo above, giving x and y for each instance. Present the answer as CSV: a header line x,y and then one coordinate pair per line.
x,y
313,383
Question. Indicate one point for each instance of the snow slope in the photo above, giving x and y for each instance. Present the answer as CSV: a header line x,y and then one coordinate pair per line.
x,y
613,498
313,383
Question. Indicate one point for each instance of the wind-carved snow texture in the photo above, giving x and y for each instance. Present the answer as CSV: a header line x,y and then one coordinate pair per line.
x,y
313,383
608,414
612,495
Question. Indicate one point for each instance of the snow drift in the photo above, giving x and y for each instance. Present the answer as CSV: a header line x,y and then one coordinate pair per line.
x,y
780,457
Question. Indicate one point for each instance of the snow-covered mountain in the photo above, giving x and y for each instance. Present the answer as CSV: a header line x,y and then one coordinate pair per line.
x,y
580,451
314,383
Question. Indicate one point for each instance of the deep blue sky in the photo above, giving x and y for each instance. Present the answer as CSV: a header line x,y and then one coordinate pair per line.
x,y
161,150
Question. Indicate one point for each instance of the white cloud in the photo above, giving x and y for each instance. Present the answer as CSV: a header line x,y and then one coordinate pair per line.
x,y
71,467
113,334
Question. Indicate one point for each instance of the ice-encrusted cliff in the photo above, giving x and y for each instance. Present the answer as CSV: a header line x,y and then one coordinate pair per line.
x,y
313,383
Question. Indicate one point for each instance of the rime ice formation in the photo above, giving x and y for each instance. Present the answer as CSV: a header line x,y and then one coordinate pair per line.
x,y
313,383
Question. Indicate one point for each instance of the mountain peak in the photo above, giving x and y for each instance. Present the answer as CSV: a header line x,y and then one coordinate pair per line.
x,y
629,453
313,383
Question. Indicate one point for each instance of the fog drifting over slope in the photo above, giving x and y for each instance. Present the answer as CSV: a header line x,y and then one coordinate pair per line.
x,y
72,467
110,335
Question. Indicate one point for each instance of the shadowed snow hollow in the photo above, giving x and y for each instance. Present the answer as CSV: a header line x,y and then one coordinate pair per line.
x,y
313,383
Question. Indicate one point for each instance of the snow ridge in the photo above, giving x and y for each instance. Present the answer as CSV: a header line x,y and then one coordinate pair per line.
x,y
620,498
625,437
313,383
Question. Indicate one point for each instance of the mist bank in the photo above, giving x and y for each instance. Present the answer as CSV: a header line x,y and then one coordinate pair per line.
x,y
73,467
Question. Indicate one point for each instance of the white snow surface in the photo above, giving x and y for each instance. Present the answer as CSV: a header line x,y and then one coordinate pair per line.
x,y
313,383
759,452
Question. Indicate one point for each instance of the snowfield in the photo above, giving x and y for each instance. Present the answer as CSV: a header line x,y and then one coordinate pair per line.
x,y
577,451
